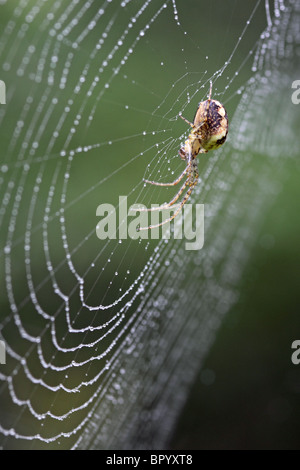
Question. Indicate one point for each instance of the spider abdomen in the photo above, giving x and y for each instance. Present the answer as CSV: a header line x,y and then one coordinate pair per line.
x,y
211,124
210,129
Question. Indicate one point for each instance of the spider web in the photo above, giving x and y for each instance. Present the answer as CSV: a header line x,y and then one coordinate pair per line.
x,y
104,337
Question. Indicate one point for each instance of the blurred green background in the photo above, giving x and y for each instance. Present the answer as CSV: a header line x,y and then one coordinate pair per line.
x,y
247,395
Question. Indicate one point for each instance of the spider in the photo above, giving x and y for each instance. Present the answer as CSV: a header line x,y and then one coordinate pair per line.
x,y
209,132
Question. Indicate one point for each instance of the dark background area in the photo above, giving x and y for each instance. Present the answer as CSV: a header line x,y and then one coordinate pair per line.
x,y
252,399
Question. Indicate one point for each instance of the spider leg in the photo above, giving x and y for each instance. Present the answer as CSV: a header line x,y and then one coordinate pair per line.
x,y
184,119
210,90
199,127
169,204
192,181
191,124
187,170
185,199
168,184
196,172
